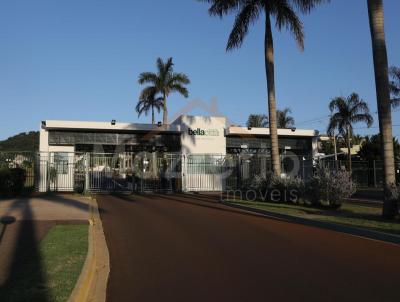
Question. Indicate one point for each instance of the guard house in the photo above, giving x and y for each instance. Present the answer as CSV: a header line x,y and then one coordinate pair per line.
x,y
193,153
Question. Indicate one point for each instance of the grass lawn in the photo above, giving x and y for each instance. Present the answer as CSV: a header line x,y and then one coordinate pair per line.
x,y
362,216
50,273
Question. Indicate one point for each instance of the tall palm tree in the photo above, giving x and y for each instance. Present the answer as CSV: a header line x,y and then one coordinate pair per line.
x,y
284,120
346,112
257,121
394,86
166,81
247,12
376,23
148,100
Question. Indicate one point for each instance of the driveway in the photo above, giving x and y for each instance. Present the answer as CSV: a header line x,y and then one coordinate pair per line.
x,y
188,248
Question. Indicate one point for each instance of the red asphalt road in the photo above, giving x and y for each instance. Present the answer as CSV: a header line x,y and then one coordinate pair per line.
x,y
179,248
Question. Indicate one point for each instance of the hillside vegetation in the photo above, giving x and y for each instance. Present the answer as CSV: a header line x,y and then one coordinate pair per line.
x,y
26,141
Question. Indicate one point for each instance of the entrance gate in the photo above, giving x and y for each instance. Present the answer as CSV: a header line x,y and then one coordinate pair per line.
x,y
127,172
147,171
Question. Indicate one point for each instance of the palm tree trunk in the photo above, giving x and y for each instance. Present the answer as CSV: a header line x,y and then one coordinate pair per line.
x,y
152,115
376,22
269,71
165,112
349,148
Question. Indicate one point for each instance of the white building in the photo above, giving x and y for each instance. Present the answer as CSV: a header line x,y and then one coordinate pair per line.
x,y
109,155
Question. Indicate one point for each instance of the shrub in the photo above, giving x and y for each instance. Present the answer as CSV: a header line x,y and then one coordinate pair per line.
x,y
277,189
12,181
331,187
291,188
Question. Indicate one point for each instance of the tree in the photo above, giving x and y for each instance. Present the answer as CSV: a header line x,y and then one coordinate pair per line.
x,y
257,121
166,81
247,13
148,100
284,120
25,141
371,148
394,86
346,112
376,22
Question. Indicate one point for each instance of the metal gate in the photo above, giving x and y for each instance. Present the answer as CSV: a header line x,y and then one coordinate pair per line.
x,y
204,172
158,172
142,172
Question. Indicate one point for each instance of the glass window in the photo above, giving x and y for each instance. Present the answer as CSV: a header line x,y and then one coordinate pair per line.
x,y
61,162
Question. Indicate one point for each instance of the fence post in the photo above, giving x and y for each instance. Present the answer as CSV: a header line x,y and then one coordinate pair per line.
x,y
87,178
184,172
374,174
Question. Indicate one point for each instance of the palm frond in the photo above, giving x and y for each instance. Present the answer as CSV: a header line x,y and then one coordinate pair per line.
x,y
147,99
363,117
257,121
394,86
178,78
248,15
222,7
286,17
347,112
148,77
179,88
284,121
395,103
305,6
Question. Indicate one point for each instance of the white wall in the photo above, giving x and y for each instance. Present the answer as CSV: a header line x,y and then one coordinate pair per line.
x,y
211,142
43,140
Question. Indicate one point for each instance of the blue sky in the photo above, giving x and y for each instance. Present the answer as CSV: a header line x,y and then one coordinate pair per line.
x,y
80,59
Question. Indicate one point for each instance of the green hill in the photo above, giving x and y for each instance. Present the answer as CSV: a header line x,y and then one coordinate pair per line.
x,y
26,141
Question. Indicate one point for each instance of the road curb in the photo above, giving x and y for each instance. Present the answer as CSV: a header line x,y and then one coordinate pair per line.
x,y
359,232
92,282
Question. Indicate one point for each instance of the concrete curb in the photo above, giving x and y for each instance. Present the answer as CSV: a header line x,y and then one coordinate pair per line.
x,y
92,282
359,232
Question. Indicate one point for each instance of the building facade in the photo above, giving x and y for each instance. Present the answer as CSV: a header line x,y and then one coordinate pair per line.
x,y
191,154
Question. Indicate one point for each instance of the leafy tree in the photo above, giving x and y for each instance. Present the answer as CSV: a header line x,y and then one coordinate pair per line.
x,y
25,141
371,148
284,119
166,81
247,13
394,86
148,101
257,121
346,112
376,23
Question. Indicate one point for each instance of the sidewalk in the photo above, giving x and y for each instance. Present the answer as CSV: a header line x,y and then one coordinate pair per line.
x,y
46,207
24,222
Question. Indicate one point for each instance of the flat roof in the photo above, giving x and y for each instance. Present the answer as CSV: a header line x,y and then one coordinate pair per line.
x,y
106,126
172,128
235,130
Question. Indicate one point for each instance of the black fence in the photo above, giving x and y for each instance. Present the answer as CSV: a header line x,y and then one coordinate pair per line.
x,y
364,173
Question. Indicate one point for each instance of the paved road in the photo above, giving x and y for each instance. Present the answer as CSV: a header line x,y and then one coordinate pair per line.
x,y
180,248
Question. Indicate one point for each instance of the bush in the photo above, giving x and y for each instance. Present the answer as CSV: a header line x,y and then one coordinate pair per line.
x,y
291,188
12,181
277,189
331,187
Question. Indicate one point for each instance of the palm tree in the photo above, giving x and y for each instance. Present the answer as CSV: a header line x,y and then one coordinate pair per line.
x,y
376,23
346,112
166,81
257,121
284,120
394,86
148,100
247,12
